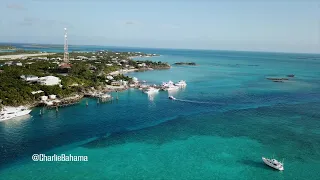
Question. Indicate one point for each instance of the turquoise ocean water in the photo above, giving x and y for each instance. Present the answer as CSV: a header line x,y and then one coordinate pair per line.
x,y
222,123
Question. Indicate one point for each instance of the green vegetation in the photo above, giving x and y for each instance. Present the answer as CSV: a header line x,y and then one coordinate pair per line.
x,y
155,65
87,70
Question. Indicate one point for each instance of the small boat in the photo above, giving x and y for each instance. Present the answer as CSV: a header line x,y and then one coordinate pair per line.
x,y
171,97
273,163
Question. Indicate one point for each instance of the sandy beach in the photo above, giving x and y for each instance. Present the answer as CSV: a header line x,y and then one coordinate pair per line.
x,y
20,56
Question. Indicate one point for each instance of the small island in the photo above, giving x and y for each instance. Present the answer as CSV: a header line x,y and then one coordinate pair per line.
x,y
186,63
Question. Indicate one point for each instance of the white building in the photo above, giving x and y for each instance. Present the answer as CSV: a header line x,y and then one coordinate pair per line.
x,y
52,96
49,80
29,78
44,98
142,65
110,77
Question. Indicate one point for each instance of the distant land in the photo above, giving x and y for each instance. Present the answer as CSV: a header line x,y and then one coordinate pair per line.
x,y
7,47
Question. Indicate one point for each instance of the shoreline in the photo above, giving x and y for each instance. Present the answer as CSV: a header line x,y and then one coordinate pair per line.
x,y
105,89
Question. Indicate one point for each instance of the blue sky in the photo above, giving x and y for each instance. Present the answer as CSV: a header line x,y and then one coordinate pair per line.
x,y
270,25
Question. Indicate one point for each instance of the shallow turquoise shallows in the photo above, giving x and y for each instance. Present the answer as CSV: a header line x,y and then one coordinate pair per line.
x,y
220,126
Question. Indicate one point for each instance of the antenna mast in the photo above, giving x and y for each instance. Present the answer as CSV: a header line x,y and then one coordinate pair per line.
x,y
66,53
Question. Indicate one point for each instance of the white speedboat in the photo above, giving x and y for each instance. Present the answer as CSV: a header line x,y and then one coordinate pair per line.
x,y
171,97
181,83
12,112
151,90
273,163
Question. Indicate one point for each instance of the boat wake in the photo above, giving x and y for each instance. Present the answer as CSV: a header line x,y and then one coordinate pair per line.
x,y
198,102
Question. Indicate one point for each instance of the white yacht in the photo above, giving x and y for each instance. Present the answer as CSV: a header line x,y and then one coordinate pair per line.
x,y
181,83
172,88
273,163
12,112
151,90
167,84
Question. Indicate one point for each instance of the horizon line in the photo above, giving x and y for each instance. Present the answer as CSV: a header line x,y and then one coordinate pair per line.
x,y
168,48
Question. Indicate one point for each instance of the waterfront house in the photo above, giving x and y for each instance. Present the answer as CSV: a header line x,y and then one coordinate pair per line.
x,y
142,65
17,63
115,83
109,77
49,80
44,98
52,96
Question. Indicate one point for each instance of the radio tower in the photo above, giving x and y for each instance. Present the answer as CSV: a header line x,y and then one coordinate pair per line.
x,y
66,53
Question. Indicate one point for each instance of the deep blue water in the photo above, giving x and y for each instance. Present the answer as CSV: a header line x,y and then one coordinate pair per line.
x,y
227,117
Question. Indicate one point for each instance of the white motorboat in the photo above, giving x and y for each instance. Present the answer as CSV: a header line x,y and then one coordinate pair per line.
x,y
12,112
151,90
273,163
171,97
181,83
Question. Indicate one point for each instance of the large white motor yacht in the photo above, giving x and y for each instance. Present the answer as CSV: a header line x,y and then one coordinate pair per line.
x,y
12,112
273,163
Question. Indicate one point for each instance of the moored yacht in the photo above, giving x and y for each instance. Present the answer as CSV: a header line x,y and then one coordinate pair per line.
x,y
181,83
12,112
172,88
151,90
167,84
273,163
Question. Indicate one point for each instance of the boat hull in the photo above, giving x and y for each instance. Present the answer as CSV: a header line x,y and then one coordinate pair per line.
x,y
18,114
280,168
